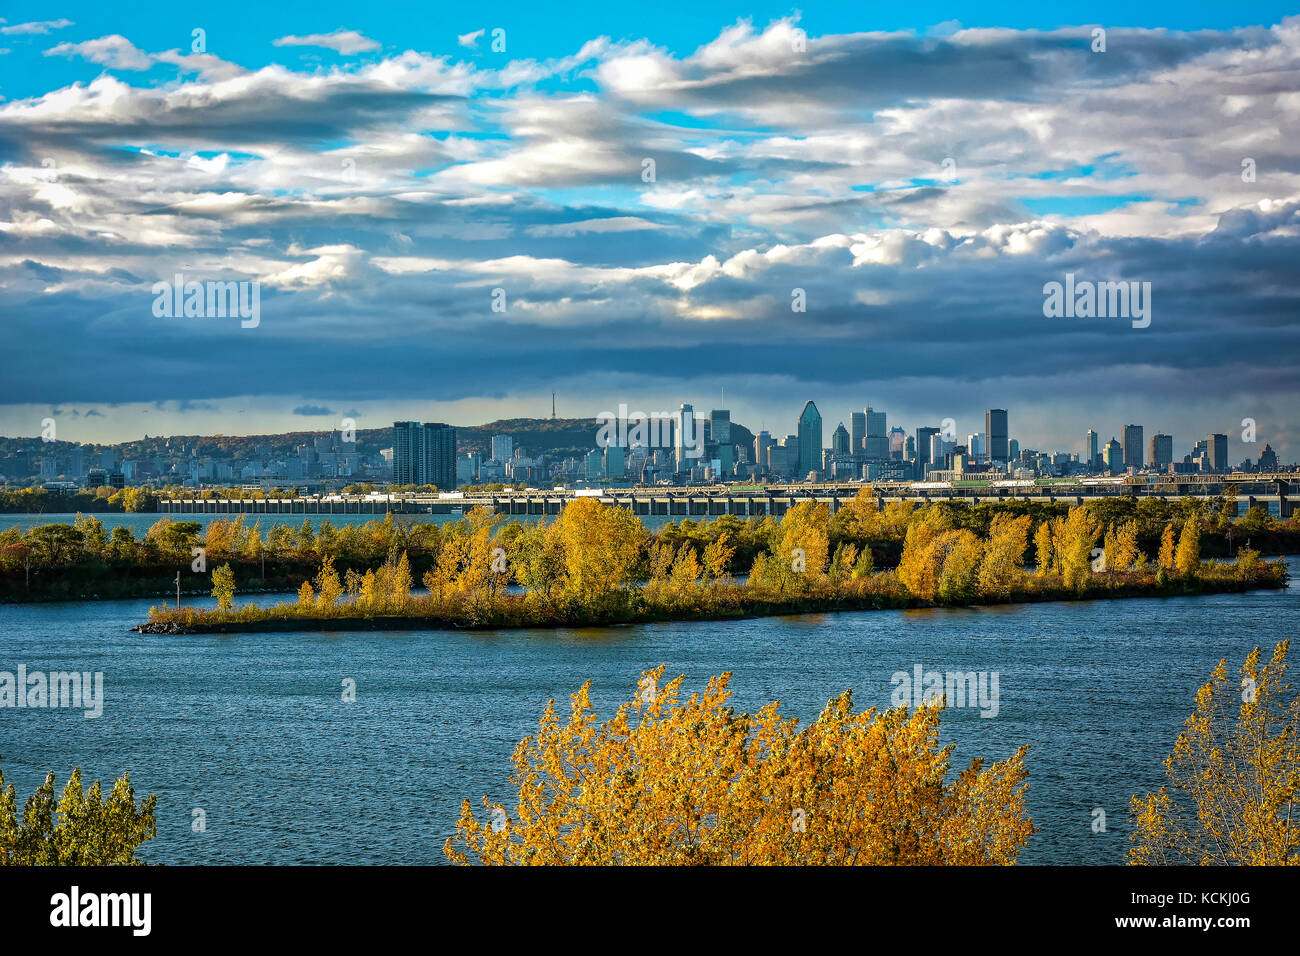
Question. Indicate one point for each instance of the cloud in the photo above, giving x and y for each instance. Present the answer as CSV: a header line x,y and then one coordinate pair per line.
x,y
469,39
44,26
115,51
919,188
340,41
313,410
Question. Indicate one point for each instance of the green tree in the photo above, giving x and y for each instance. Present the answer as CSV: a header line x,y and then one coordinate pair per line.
x,y
81,829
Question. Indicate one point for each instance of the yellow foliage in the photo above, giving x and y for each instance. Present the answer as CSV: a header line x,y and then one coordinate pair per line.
x,y
672,782
1238,775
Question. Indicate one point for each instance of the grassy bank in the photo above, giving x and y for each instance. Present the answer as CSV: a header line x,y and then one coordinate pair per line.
x,y
694,601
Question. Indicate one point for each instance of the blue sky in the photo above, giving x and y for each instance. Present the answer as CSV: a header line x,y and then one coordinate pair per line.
x,y
647,187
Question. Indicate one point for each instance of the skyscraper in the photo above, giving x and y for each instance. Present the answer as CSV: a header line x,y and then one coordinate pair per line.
x,y
1090,450
1132,446
840,440
762,442
424,454
810,440
406,452
875,423
502,447
995,430
1161,451
923,435
684,442
858,425
1218,448
1114,457
720,426
439,456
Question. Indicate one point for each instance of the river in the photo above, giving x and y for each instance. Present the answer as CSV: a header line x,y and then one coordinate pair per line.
x,y
252,730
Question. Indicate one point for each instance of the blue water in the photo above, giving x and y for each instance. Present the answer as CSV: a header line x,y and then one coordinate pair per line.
x,y
252,728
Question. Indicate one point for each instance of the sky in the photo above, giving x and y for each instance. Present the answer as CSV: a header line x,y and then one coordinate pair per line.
x,y
450,213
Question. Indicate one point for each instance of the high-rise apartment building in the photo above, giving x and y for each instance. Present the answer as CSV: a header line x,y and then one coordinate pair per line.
x,y
424,454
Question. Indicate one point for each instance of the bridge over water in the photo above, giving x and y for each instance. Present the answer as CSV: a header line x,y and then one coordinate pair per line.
x,y
1269,491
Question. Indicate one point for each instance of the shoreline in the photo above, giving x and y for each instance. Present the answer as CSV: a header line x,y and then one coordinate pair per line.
x,y
286,622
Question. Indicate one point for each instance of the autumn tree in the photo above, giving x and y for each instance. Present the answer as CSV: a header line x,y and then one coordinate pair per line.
x,y
600,547
959,577
223,586
1233,795
1188,557
1167,548
80,829
1073,541
667,781
1003,570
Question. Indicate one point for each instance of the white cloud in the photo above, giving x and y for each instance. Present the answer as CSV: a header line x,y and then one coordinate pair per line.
x,y
44,26
340,41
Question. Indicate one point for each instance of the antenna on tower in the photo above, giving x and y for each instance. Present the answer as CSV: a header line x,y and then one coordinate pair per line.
x,y
552,406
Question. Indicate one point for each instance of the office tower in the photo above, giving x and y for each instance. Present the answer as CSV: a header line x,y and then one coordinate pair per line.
x,y
503,448
859,427
995,428
720,426
1090,450
685,442
762,442
593,463
1114,457
810,440
1267,459
1218,449
875,423
840,440
777,459
923,436
975,446
1013,449
615,462
876,448
939,450
907,449
1161,452
1132,446
792,461
467,468
108,459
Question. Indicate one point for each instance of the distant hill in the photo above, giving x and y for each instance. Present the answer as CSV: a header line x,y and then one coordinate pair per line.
x,y
563,437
